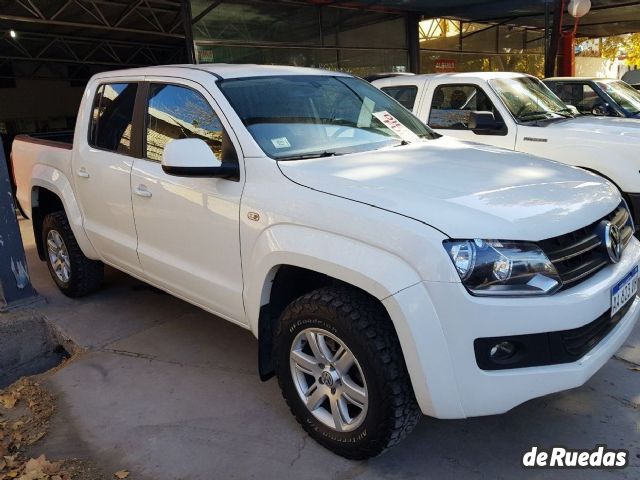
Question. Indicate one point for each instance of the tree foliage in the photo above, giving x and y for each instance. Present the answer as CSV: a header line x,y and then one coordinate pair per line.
x,y
622,45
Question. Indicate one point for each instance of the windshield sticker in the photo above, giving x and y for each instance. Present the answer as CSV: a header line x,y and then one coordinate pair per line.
x,y
281,142
364,119
393,124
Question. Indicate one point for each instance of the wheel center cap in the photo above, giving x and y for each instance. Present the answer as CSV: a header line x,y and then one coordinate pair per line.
x,y
327,378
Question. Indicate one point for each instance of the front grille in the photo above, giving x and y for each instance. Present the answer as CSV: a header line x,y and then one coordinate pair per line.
x,y
579,254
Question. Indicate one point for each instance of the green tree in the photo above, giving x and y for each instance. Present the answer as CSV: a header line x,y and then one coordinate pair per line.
x,y
622,45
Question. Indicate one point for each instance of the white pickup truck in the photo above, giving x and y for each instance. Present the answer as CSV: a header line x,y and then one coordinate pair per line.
x,y
385,270
519,112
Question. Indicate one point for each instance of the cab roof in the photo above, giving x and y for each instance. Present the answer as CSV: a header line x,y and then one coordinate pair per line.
x,y
223,70
577,79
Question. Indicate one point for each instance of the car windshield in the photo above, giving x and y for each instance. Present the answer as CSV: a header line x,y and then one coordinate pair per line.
x,y
623,94
306,116
528,99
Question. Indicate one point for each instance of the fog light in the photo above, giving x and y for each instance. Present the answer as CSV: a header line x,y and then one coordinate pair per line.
x,y
502,352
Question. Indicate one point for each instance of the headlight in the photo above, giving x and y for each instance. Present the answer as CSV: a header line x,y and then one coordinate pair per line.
x,y
492,267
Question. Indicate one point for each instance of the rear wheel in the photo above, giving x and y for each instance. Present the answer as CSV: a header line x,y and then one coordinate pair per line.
x,y
341,371
75,274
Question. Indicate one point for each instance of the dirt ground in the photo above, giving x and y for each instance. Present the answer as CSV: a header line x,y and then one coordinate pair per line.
x,y
26,408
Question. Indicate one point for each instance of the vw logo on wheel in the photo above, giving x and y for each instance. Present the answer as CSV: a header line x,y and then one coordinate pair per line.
x,y
327,379
612,242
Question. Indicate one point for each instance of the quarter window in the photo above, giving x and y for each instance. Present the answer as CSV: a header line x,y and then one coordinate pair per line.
x,y
111,117
176,112
452,105
405,95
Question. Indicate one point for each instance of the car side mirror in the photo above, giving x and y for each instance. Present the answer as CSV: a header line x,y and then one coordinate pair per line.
x,y
485,123
601,110
192,157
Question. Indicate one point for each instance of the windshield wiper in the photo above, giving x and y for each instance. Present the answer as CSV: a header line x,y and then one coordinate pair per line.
x,y
311,155
533,115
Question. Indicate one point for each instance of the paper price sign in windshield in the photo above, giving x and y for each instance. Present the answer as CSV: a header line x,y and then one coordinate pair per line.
x,y
393,124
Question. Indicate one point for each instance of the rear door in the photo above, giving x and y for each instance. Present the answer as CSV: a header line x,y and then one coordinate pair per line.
x,y
448,108
188,228
105,148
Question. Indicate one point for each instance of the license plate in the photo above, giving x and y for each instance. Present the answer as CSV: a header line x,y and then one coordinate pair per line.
x,y
624,290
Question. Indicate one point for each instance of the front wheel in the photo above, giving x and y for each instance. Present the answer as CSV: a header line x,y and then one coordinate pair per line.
x,y
341,371
75,274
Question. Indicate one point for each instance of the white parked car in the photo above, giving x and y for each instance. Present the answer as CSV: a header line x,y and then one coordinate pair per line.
x,y
518,112
385,270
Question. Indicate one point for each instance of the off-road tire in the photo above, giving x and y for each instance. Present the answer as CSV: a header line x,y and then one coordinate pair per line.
x,y
363,325
86,275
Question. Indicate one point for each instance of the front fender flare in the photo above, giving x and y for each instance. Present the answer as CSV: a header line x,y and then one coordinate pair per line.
x,y
378,272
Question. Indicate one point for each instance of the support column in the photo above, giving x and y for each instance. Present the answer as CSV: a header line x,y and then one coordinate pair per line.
x,y
413,41
15,286
567,64
188,31
554,40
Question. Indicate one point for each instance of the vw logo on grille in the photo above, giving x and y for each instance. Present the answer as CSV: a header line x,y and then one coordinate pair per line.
x,y
612,242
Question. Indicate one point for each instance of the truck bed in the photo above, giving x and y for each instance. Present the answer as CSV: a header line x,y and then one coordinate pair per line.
x,y
50,151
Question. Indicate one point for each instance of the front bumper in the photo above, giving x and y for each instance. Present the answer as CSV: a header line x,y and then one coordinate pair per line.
x,y
446,377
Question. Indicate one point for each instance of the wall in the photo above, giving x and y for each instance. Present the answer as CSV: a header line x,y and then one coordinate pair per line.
x,y
599,67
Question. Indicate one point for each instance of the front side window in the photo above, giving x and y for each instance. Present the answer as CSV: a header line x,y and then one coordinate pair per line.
x,y
295,116
405,95
528,99
452,106
580,95
624,95
176,112
111,117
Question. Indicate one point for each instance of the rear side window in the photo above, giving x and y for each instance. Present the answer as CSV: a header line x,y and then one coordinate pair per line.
x,y
405,95
176,112
111,117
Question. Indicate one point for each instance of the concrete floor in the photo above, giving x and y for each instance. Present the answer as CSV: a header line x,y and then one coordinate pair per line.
x,y
168,391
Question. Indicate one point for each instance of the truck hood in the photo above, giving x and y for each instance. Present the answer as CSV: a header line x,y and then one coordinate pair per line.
x,y
465,190
588,127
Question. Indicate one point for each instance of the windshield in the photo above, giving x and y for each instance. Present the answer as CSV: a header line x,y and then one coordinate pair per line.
x,y
623,94
528,99
302,116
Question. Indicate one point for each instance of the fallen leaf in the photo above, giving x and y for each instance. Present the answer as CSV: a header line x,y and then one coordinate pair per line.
x,y
36,438
121,474
12,474
8,400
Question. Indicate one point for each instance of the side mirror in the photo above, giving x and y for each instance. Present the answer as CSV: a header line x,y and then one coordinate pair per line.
x,y
192,157
484,123
601,110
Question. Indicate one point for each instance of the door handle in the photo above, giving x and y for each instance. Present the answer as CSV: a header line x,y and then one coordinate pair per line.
x,y
82,173
142,191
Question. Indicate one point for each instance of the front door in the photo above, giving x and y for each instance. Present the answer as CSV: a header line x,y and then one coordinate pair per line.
x,y
188,228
